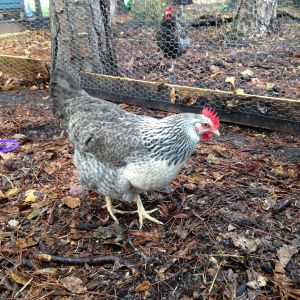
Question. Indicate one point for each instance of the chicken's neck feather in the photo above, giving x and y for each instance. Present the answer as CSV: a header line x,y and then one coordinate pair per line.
x,y
172,139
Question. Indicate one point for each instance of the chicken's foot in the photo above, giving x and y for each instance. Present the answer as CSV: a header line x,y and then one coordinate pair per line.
x,y
164,63
145,214
112,210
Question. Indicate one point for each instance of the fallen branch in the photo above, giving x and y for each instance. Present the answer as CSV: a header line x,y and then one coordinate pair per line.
x,y
94,260
23,261
211,21
90,226
289,11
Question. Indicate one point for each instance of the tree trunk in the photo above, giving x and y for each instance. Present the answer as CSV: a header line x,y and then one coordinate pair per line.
x,y
113,7
81,37
38,8
257,17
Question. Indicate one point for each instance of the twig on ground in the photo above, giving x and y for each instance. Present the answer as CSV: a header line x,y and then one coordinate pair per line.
x,y
50,220
46,295
215,277
88,226
207,210
136,249
26,262
23,288
2,175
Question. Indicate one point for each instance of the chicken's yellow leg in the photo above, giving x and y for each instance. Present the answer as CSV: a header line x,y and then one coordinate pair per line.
x,y
112,210
145,214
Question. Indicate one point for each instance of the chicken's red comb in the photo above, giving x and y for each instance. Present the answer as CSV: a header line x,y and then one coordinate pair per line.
x,y
169,8
210,113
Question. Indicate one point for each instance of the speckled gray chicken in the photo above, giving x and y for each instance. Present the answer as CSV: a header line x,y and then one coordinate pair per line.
x,y
120,154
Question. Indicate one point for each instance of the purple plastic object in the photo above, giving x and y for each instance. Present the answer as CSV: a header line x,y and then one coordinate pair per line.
x,y
8,145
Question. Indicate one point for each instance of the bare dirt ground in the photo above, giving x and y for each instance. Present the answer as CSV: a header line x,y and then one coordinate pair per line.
x,y
231,219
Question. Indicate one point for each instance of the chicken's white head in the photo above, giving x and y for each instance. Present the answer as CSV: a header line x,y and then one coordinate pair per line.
x,y
209,124
168,13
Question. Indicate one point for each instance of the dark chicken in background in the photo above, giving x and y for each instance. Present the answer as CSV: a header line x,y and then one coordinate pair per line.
x,y
120,154
171,35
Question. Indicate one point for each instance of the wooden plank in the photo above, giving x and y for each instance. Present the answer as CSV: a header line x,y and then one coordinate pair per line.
x,y
256,111
289,11
23,66
9,35
211,21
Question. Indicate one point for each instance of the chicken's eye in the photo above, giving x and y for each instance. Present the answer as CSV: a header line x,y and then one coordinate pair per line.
x,y
205,125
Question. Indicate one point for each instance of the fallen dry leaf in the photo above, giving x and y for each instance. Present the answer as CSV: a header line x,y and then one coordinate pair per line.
x,y
144,236
25,243
47,271
213,159
30,196
11,192
71,202
269,86
18,278
240,241
76,190
197,178
247,73
73,284
143,286
232,103
256,284
285,253
239,91
278,171
231,227
217,176
130,64
4,234
214,69
230,80
36,212
33,88
124,105
11,84
161,274
13,223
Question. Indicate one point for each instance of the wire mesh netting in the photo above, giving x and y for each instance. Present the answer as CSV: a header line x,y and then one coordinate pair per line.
x,y
196,44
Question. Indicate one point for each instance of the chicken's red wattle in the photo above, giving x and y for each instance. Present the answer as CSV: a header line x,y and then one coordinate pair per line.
x,y
206,136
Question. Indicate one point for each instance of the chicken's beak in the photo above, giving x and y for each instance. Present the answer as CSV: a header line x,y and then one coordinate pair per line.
x,y
216,132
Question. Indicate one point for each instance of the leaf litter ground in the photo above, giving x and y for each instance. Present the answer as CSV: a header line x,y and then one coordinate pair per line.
x,y
231,219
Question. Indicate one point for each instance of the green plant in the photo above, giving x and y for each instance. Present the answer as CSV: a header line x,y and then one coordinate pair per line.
x,y
149,11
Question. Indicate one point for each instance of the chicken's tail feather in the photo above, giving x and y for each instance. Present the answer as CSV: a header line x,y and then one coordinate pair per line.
x,y
63,87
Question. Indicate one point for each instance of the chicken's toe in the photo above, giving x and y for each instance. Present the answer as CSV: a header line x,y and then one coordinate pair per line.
x,y
112,210
145,214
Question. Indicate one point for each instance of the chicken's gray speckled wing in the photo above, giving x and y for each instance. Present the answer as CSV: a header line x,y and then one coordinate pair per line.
x,y
104,130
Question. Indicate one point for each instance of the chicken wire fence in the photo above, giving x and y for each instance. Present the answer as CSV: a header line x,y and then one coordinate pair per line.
x,y
202,52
